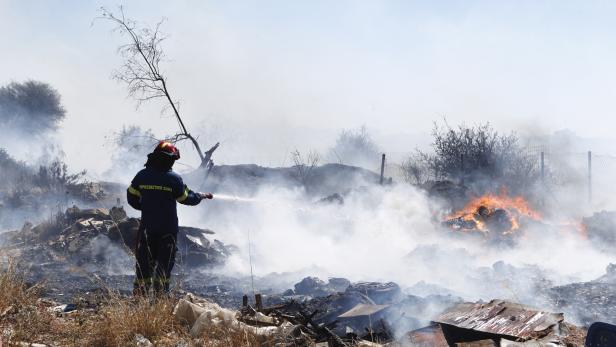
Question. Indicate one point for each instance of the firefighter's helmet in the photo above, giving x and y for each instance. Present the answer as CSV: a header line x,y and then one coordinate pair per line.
x,y
167,148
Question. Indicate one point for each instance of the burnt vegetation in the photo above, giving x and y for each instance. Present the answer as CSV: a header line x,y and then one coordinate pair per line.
x,y
34,187
477,156
30,107
355,147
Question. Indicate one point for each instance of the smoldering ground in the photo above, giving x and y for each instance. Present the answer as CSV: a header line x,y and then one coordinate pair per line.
x,y
391,234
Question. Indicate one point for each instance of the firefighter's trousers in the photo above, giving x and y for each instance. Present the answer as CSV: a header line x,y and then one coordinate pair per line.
x,y
155,255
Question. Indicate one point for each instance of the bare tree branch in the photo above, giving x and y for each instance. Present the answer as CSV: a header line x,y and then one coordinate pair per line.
x,y
142,74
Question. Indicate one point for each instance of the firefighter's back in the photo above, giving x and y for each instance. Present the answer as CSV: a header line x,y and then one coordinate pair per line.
x,y
158,204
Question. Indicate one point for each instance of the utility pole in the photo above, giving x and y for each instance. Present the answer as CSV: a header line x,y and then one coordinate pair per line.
x,y
462,168
382,168
542,168
589,177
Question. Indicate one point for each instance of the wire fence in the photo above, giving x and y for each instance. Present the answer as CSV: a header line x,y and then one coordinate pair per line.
x,y
586,176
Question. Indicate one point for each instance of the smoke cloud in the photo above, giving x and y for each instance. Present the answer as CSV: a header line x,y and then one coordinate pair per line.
x,y
393,234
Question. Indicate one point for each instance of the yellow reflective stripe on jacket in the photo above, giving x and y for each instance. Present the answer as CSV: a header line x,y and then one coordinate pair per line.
x,y
153,187
184,196
133,191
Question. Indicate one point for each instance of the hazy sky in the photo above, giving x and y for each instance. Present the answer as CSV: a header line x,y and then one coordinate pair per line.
x,y
265,77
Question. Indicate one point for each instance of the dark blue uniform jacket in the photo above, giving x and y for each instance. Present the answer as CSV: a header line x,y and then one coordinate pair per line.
x,y
155,193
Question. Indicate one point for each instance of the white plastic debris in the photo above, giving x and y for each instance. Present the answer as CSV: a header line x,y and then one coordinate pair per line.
x,y
142,341
199,313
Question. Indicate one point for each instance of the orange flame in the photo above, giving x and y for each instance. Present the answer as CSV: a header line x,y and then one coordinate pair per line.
x,y
514,206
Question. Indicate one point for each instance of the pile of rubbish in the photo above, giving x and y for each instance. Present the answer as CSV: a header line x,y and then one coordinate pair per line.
x,y
341,313
80,243
70,234
366,323
497,220
589,301
495,216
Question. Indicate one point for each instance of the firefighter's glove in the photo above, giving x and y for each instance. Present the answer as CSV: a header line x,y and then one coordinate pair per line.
x,y
206,195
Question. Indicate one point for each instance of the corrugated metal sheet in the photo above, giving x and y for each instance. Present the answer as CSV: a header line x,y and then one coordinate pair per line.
x,y
430,336
502,318
481,343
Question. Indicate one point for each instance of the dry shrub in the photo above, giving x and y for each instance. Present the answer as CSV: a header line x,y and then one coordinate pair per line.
x,y
120,319
22,316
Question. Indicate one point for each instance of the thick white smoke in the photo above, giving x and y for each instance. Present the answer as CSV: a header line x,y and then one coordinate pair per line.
x,y
390,234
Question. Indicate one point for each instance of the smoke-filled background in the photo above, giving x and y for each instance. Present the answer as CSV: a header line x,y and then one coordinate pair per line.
x,y
266,77
302,84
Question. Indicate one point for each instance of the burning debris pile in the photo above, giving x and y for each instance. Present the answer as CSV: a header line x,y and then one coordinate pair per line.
x,y
493,216
98,241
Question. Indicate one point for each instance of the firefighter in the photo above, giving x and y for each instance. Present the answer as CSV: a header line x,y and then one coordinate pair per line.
x,y
154,191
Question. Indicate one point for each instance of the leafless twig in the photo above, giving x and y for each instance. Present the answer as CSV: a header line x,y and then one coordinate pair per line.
x,y
141,70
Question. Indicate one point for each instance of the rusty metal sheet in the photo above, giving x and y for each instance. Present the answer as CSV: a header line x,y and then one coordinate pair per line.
x,y
481,343
502,318
507,343
430,336
363,310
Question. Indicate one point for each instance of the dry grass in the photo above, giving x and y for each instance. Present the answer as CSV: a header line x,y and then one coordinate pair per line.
x,y
116,322
22,316
120,319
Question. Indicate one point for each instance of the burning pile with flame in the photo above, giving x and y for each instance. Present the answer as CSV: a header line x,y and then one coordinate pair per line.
x,y
491,214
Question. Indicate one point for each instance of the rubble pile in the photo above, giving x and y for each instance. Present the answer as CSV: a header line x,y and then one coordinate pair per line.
x,y
588,301
350,318
338,312
89,244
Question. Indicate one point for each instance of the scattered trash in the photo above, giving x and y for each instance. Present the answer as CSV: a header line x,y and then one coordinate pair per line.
x,y
142,341
71,235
